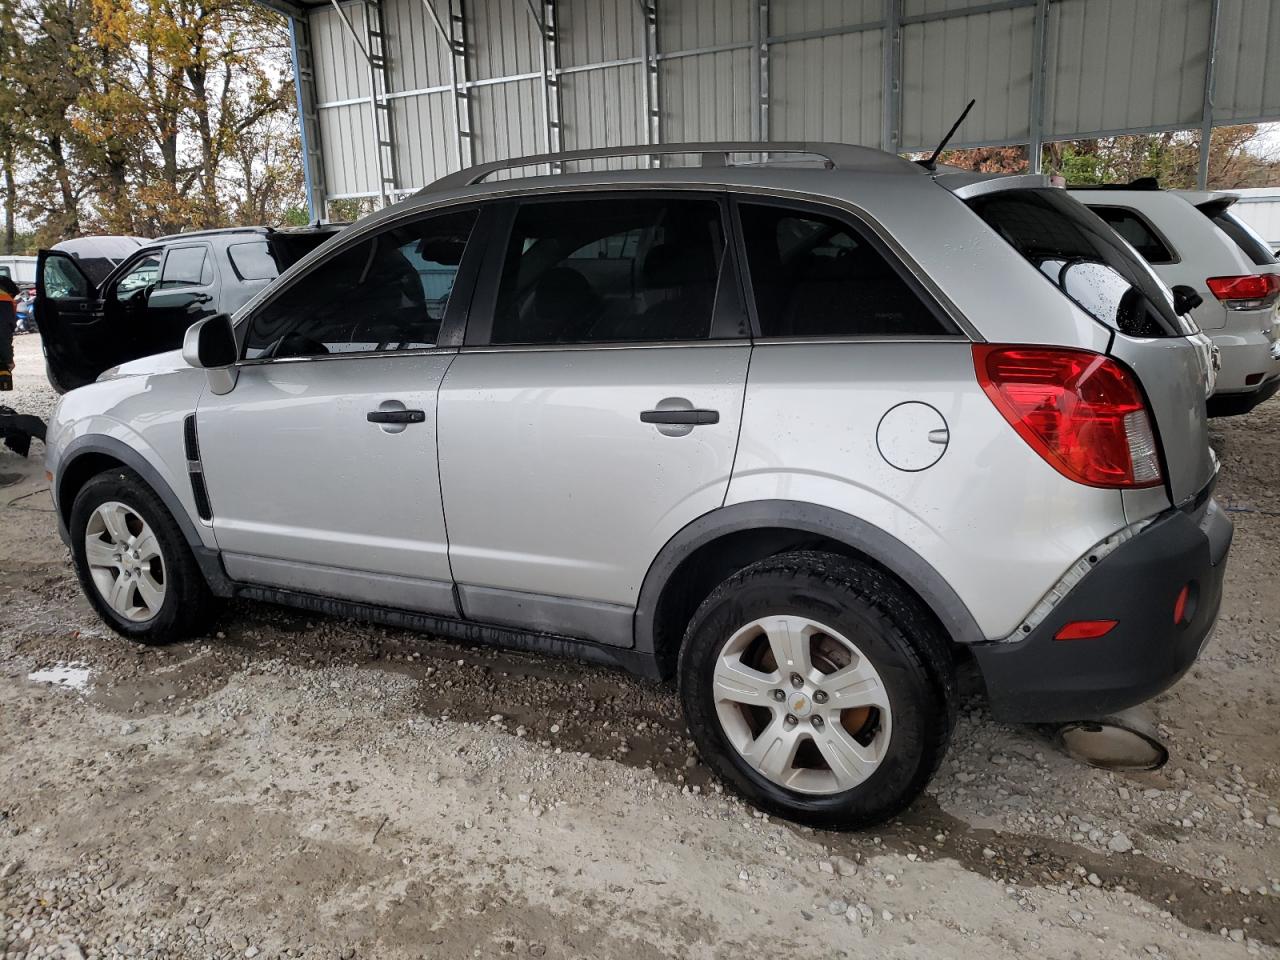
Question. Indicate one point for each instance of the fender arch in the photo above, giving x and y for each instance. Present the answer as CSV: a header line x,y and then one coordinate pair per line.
x,y
99,445
803,520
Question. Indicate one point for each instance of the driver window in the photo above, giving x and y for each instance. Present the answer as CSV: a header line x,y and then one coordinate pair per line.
x,y
386,293
140,276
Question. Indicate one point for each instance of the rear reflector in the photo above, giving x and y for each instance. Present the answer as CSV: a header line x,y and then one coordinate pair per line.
x,y
1250,292
1085,630
1081,411
1180,605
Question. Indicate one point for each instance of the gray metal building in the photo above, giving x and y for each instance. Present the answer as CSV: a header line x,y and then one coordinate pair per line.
x,y
395,93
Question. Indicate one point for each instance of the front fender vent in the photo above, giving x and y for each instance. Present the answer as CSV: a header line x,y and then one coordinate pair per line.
x,y
189,438
195,471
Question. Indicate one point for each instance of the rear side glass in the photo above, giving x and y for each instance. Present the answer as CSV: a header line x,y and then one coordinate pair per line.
x,y
1254,247
253,261
1084,258
817,276
610,271
1137,231
184,266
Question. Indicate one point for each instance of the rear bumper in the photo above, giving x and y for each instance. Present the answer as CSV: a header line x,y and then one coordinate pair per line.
x,y
1235,404
1041,680
1246,350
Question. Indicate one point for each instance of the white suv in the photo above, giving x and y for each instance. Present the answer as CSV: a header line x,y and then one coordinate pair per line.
x,y
793,434
1193,240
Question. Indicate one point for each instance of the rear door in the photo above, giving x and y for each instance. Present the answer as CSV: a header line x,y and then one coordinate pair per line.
x,y
186,292
594,408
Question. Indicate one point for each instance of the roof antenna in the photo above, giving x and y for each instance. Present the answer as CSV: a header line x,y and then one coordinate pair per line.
x,y
932,162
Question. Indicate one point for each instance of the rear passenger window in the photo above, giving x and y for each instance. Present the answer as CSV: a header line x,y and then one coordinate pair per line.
x,y
186,266
610,270
1137,231
386,293
817,276
253,261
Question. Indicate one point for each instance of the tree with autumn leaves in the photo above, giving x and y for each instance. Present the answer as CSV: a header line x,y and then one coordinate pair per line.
x,y
144,117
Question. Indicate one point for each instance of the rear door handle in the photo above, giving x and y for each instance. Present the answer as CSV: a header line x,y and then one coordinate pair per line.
x,y
396,416
690,418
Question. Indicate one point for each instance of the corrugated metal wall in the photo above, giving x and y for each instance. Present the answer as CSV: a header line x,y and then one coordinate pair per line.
x,y
776,69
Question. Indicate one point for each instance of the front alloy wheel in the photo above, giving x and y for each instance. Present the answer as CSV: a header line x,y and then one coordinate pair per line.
x,y
125,562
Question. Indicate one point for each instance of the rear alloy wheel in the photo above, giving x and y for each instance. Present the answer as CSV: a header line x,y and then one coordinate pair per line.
x,y
802,705
819,688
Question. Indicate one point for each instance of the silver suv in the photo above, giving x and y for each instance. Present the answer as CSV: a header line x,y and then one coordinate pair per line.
x,y
796,435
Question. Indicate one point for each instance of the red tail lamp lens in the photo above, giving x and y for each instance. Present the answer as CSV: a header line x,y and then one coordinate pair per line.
x,y
1259,288
1085,630
1081,411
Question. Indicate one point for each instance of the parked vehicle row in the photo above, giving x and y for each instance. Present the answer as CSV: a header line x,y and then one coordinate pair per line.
x,y
796,436
143,303
1194,240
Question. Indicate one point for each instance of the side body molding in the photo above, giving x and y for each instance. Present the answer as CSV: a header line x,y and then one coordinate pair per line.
x,y
210,563
806,518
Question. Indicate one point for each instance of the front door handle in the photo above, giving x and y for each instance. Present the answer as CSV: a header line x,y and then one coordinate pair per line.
x,y
396,416
688,418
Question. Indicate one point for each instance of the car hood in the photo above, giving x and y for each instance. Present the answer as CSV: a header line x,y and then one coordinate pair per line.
x,y
159,363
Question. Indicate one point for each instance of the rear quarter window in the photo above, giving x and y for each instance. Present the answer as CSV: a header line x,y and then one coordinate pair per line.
x,y
253,260
1084,258
1254,247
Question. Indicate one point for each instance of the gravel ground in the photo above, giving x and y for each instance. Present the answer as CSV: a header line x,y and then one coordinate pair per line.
x,y
293,786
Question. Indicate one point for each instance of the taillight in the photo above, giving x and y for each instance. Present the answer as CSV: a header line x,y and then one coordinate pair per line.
x,y
1081,411
1246,293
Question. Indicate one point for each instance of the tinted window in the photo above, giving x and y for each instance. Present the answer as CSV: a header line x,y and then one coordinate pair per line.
x,y
185,266
817,276
387,292
1082,257
1254,247
141,275
1137,231
253,261
584,271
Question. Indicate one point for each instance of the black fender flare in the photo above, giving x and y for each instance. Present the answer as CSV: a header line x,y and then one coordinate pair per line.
x,y
884,548
207,557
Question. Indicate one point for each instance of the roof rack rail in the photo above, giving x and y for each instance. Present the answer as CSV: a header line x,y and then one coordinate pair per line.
x,y
713,153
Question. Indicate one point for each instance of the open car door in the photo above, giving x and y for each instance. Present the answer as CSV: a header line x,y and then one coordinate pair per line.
x,y
78,335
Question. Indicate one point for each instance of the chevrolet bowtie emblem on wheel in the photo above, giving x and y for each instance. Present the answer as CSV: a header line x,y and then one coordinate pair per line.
x,y
800,705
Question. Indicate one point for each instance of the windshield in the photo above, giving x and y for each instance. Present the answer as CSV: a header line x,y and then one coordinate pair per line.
x,y
1085,259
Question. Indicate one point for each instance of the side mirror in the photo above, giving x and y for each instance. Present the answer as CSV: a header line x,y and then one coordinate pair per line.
x,y
210,344
1185,299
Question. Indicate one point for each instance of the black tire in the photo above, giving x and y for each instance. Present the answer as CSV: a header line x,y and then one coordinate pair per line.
x,y
187,599
888,626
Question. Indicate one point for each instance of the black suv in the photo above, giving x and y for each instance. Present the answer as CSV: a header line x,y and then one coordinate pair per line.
x,y
146,303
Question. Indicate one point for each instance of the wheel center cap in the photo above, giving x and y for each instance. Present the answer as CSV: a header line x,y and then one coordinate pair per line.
x,y
800,704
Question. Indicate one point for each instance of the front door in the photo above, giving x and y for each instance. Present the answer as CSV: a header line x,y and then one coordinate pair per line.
x,y
594,411
78,341
321,460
